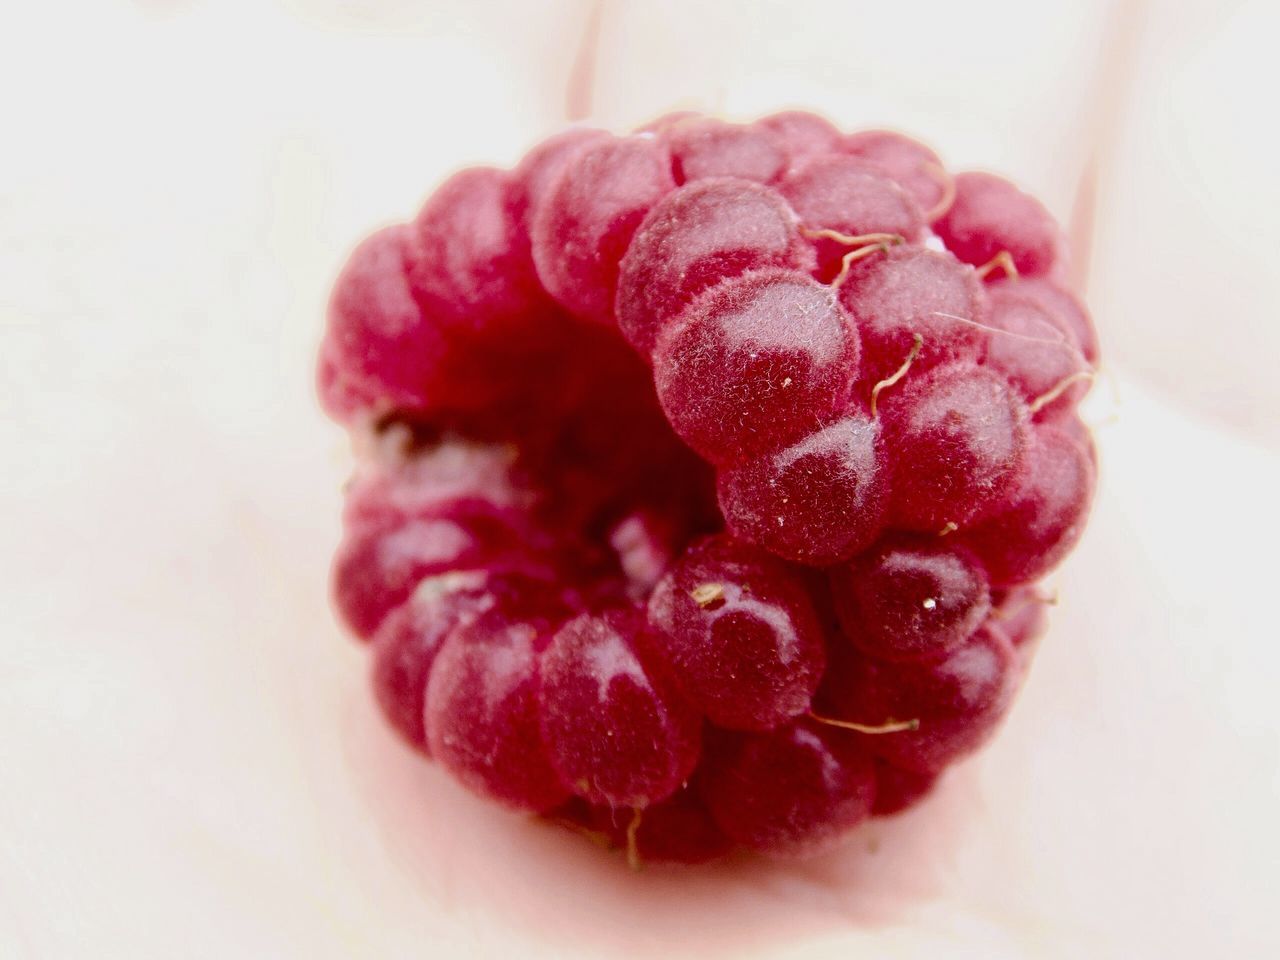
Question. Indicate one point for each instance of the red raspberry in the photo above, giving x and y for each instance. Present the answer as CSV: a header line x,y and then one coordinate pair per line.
x,y
702,493
912,165
701,147
754,363
991,216
616,732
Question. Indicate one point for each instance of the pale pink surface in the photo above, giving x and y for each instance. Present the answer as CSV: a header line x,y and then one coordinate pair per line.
x,y
192,762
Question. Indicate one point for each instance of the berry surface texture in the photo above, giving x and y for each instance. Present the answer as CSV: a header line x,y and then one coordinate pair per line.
x,y
706,476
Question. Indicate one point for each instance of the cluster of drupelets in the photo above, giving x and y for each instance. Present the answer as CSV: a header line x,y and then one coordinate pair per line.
x,y
707,473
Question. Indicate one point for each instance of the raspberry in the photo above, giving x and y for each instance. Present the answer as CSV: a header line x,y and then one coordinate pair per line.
x,y
701,147
738,634
845,196
616,733
702,493
675,830
1044,516
482,703
694,238
898,790
805,134
1039,354
911,292
471,265
378,567
957,438
991,216
754,363
377,342
910,599
817,501
1021,613
1065,307
912,165
790,792
408,639
946,706
582,226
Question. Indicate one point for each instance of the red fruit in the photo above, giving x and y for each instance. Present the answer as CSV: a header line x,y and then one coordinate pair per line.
x,y
377,567
1068,312
755,363
951,703
805,134
911,292
692,239
912,165
791,792
818,501
342,398
1036,353
910,598
583,225
537,173
1043,515
471,268
702,147
675,830
615,732
991,216
700,499
1022,613
738,635
956,437
898,790
377,341
482,704
406,643
844,195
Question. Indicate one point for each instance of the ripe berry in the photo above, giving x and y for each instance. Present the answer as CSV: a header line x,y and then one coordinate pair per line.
x,y
818,501
408,639
675,830
1038,355
844,195
692,239
615,732
738,634
1068,311
471,266
377,341
537,173
482,703
378,567
702,147
947,705
341,397
805,134
582,226
991,216
1021,612
911,292
956,438
791,792
897,790
911,164
703,488
754,363
910,598
1042,517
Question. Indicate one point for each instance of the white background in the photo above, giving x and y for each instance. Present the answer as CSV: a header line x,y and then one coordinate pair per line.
x,y
189,761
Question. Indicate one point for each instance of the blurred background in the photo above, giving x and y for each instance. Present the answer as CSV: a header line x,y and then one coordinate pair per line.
x,y
190,762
